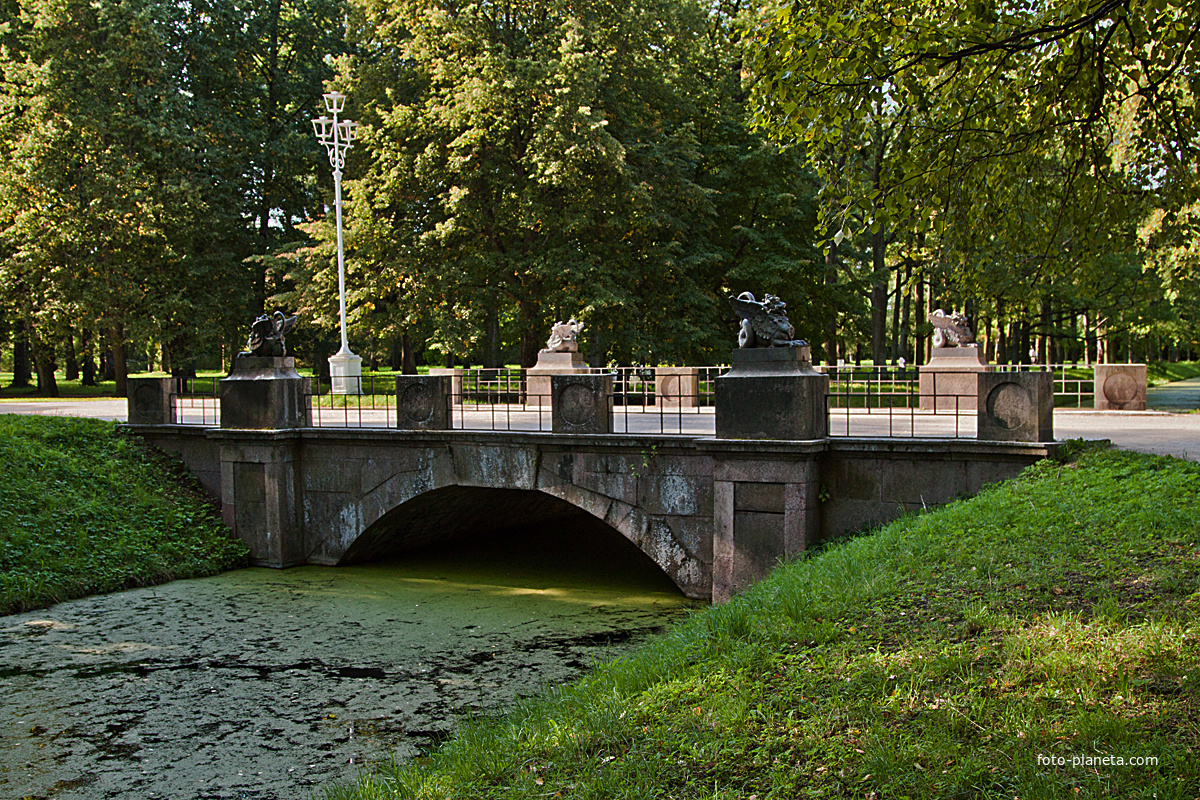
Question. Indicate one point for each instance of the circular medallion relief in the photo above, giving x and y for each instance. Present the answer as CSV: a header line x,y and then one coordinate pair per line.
x,y
1010,406
146,400
416,403
1120,388
578,405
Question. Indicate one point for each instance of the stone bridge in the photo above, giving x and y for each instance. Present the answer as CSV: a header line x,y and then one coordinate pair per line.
x,y
714,514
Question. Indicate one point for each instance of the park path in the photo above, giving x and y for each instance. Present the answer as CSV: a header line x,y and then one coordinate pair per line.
x,y
1175,396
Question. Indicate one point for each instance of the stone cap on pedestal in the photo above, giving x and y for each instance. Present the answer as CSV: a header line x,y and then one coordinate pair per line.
x,y
956,358
251,368
749,361
549,360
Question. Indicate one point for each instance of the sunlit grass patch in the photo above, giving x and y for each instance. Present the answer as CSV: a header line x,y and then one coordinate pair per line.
x,y
969,652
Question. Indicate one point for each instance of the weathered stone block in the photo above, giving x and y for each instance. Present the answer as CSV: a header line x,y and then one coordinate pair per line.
x,y
772,393
538,386
1120,387
948,382
1016,407
151,401
582,403
456,380
766,497
264,393
423,402
676,387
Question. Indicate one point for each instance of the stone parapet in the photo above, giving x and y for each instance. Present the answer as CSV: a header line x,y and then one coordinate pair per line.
x,y
151,401
1016,407
948,381
537,378
423,402
772,393
1120,387
582,403
264,393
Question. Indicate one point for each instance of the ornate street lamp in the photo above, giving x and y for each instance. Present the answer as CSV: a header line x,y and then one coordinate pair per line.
x,y
345,368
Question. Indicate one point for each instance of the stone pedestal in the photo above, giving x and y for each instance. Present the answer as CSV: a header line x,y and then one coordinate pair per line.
x,y
581,403
549,364
260,496
676,387
1016,407
264,393
765,511
151,401
948,381
423,402
772,393
345,373
1120,387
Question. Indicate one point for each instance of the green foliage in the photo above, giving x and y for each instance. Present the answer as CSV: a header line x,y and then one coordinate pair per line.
x,y
1054,614
86,509
558,159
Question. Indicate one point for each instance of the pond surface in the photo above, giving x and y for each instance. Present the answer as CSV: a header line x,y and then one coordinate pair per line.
x,y
271,684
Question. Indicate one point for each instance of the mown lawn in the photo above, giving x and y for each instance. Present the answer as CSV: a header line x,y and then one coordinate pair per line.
x,y
958,654
85,509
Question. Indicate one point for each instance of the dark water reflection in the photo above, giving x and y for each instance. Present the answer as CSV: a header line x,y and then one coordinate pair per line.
x,y
269,684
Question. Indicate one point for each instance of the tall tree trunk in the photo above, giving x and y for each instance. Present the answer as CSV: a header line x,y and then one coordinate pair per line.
x,y
22,375
72,365
85,353
532,337
491,356
920,342
906,316
831,348
116,338
879,298
896,303
408,359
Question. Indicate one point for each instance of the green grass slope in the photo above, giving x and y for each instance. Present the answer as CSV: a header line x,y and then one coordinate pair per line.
x,y
85,509
1002,647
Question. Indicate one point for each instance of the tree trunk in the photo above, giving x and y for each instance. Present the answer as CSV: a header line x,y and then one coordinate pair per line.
x,y
532,337
21,368
72,366
896,303
491,355
879,298
906,315
408,359
85,353
116,338
920,354
831,349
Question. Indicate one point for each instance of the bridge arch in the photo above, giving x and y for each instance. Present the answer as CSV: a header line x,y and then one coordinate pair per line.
x,y
459,511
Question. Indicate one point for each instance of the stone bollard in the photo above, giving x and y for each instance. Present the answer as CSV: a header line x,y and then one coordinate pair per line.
x,y
264,393
1120,387
772,393
151,401
1015,407
581,403
676,387
456,380
423,402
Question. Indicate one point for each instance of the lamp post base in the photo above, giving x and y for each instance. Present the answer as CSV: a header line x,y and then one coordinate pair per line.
x,y
345,373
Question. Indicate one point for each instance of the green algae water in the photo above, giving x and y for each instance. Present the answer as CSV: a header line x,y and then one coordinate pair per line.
x,y
271,684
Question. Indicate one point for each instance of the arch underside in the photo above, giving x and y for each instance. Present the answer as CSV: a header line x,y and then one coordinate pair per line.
x,y
455,513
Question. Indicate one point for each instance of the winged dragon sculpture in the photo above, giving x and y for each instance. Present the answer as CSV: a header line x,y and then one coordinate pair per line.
x,y
266,336
951,330
764,323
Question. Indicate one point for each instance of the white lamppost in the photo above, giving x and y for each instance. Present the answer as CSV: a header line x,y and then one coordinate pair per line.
x,y
345,368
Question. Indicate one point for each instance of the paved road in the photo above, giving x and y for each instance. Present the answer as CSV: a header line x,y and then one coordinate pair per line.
x,y
1165,430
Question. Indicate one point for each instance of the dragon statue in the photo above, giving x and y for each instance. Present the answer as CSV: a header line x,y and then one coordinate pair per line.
x,y
266,336
764,323
953,330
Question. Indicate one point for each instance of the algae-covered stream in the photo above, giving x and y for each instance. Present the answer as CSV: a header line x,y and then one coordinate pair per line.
x,y
270,684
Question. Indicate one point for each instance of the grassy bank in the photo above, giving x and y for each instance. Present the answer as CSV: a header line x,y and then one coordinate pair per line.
x,y
1052,616
1161,372
84,509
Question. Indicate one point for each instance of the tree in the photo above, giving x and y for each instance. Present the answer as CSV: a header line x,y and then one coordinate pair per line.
x,y
529,162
